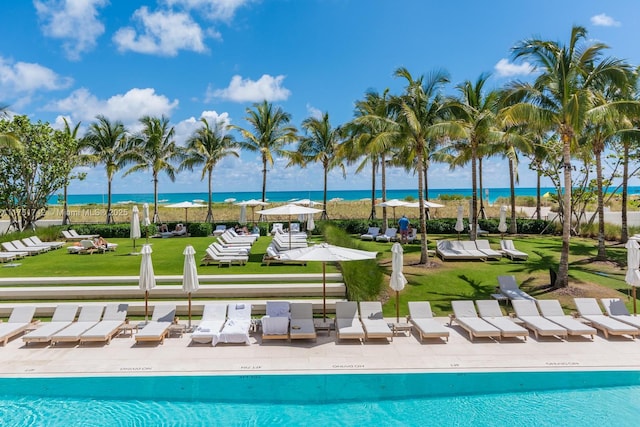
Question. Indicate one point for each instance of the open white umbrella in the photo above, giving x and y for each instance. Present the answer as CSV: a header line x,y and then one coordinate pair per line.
x,y
325,252
147,279
134,232
502,226
426,204
186,206
252,204
190,282
146,222
459,227
398,280
393,203
289,211
633,275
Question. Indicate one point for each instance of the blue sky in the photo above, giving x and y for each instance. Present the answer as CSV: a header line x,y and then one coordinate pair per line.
x,y
188,59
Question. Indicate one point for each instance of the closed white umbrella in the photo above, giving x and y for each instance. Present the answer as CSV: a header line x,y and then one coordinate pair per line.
x,y
147,280
325,252
633,275
398,280
502,226
146,222
459,227
134,232
252,204
190,282
243,215
310,224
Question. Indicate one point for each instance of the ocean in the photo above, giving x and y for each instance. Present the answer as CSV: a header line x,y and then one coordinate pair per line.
x,y
285,196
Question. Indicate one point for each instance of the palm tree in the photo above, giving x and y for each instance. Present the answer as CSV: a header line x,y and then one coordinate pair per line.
x,y
208,145
559,100
154,149
319,144
269,133
417,110
74,160
105,143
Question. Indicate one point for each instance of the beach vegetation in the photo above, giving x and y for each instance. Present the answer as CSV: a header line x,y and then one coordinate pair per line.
x,y
74,159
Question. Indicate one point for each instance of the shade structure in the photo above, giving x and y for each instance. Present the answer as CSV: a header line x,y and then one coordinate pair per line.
x,y
134,232
502,226
252,204
186,206
633,275
306,202
146,222
324,253
289,210
147,280
459,227
393,203
398,280
190,282
426,204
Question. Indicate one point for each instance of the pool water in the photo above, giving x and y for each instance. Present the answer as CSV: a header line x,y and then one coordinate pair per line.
x,y
526,399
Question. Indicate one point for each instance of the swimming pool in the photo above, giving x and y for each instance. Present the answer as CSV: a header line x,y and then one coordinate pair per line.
x,y
522,398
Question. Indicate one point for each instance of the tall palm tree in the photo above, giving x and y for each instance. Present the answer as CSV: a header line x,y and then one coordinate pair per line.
x,y
559,100
74,160
208,145
105,143
319,145
154,149
270,132
418,109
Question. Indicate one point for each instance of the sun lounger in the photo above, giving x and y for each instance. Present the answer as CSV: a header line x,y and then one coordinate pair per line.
x,y
509,288
301,325
456,250
273,256
63,316
115,315
528,313
241,237
236,328
275,324
484,247
89,317
9,256
28,243
511,252
491,312
348,325
471,248
54,245
616,309
213,317
77,236
466,316
158,328
219,230
389,235
590,311
373,321
10,247
277,227
233,250
371,234
421,317
552,310
19,321
211,257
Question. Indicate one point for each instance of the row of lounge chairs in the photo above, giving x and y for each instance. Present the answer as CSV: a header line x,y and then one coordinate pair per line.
x,y
28,246
72,235
282,242
229,248
477,250
390,235
88,247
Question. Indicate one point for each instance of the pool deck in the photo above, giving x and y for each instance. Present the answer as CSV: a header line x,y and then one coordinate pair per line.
x,y
405,354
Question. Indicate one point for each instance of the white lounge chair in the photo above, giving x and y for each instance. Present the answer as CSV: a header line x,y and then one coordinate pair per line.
x,y
77,236
20,320
616,309
54,245
484,247
466,316
590,311
212,257
213,317
233,250
509,288
219,230
421,317
28,243
455,250
10,247
389,235
491,312
277,227
552,310
275,324
348,324
373,321
528,313
236,328
115,315
511,252
301,325
63,316
89,317
471,248
8,256
158,328
371,234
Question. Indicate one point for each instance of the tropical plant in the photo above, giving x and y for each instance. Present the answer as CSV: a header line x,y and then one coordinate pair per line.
x,y
208,145
270,132
105,143
74,159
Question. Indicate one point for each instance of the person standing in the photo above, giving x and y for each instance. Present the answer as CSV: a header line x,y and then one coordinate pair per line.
x,y
403,226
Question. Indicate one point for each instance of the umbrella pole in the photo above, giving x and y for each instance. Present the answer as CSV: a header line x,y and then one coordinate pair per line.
x,y
189,310
397,307
146,306
324,293
289,233
633,293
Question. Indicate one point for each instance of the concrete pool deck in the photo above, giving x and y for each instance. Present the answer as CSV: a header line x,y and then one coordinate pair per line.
x,y
405,354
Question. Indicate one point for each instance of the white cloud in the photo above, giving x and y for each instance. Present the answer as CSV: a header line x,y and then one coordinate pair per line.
x,y
314,112
163,33
246,90
21,78
81,105
504,68
223,10
186,127
603,20
73,21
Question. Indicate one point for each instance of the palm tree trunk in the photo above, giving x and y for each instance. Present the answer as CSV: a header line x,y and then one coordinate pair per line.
x,y
562,280
538,203
372,215
602,254
474,196
65,208
109,213
383,187
424,256
624,233
156,216
324,192
264,178
426,186
512,196
209,218
483,214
